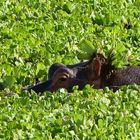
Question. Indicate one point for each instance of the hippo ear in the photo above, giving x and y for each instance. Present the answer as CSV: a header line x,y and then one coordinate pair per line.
x,y
95,66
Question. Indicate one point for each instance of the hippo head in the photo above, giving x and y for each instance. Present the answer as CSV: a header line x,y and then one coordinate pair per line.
x,y
67,76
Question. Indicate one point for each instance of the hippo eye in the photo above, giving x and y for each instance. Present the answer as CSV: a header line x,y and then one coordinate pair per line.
x,y
62,79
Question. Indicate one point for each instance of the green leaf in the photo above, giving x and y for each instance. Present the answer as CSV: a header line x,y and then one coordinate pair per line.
x,y
40,66
9,81
86,49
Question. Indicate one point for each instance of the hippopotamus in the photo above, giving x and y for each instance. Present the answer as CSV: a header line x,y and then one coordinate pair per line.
x,y
97,72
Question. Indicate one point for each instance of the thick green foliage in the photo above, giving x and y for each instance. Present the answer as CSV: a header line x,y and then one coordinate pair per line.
x,y
88,114
36,33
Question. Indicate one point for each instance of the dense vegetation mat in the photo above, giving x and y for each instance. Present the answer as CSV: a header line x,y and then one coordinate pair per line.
x,y
36,33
